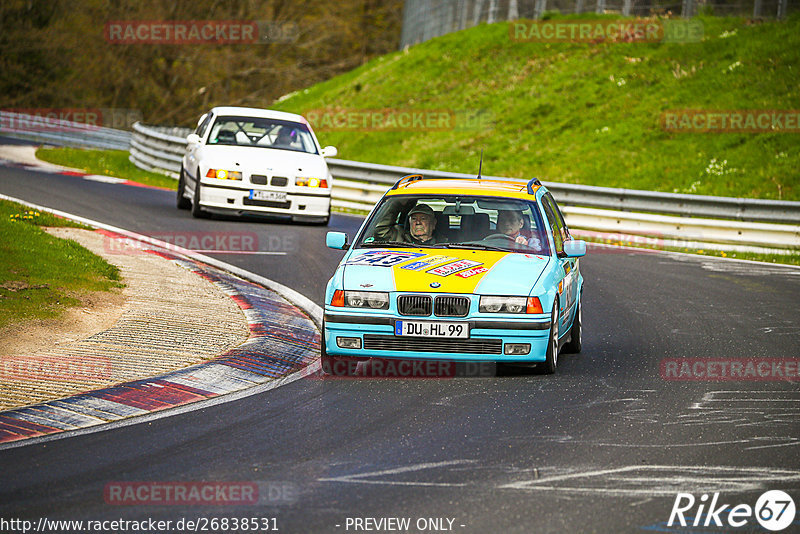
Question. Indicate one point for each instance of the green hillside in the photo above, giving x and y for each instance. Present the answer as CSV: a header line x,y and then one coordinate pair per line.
x,y
586,113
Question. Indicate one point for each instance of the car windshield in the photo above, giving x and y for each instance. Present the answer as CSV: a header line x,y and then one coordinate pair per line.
x,y
468,222
262,133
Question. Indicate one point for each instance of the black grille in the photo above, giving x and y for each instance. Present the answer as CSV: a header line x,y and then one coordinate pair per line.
x,y
419,305
267,203
451,306
420,344
279,181
258,179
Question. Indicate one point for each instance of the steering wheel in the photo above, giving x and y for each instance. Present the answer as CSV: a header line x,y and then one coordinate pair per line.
x,y
497,236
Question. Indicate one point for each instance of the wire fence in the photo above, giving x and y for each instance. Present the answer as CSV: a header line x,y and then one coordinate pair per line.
x,y
426,19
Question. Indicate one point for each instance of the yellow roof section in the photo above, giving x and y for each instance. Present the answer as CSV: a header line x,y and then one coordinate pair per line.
x,y
469,186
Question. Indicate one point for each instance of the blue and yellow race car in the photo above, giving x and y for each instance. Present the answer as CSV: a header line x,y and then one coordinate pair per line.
x,y
457,269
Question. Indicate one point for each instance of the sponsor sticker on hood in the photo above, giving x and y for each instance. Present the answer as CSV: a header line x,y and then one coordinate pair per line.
x,y
383,258
451,268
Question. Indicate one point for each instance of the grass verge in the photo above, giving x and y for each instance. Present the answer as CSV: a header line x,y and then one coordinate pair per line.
x,y
575,112
41,275
104,162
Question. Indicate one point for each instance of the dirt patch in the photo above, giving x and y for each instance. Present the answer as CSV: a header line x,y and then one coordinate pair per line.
x,y
98,311
166,318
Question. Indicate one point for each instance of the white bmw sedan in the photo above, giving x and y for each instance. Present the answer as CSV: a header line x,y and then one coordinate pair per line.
x,y
250,161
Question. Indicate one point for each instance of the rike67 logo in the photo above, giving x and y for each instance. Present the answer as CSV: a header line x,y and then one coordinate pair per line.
x,y
774,510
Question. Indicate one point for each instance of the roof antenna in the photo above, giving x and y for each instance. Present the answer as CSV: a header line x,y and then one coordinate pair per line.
x,y
480,165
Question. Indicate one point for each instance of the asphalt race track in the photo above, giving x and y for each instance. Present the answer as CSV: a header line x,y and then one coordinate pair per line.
x,y
605,445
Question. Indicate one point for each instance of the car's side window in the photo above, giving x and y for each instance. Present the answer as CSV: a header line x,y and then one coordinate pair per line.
x,y
562,224
552,221
201,130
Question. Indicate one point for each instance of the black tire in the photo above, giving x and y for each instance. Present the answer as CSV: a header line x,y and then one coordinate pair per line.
x,y
182,203
326,361
548,367
197,211
575,333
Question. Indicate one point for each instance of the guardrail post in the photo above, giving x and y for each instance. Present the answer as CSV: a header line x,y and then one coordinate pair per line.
x,y
626,8
601,7
782,9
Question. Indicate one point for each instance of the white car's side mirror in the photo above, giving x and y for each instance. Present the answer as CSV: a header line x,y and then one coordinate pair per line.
x,y
193,139
329,152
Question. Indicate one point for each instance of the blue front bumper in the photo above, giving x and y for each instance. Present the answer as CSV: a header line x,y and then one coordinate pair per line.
x,y
486,342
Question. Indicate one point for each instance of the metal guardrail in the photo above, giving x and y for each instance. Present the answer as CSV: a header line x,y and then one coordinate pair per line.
x,y
61,132
158,149
743,209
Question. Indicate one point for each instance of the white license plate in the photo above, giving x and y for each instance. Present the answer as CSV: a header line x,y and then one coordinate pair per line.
x,y
431,329
275,196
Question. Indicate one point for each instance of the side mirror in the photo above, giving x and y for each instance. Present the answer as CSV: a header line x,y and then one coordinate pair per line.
x,y
575,248
329,152
193,139
336,240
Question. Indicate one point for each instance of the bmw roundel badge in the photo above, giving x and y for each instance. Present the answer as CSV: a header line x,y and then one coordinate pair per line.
x,y
434,285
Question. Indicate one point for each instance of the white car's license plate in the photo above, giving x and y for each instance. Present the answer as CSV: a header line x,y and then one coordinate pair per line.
x,y
431,329
275,196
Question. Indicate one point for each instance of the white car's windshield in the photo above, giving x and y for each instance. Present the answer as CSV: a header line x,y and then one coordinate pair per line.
x,y
262,133
471,222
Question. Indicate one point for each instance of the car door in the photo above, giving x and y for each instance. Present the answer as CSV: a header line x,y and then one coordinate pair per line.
x,y
567,286
193,150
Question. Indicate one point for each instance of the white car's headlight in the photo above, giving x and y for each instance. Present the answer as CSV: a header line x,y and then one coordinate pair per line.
x,y
222,174
503,304
311,182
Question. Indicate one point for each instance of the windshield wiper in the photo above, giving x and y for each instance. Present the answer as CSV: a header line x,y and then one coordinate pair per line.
x,y
477,246
380,244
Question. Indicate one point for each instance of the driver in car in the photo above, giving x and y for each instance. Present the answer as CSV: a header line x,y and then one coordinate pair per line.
x,y
510,222
421,226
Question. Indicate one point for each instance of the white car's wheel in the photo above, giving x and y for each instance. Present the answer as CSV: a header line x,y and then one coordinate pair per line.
x,y
197,211
183,203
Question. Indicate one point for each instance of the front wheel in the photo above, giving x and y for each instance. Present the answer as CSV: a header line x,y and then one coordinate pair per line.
x,y
183,203
551,356
327,362
575,333
197,211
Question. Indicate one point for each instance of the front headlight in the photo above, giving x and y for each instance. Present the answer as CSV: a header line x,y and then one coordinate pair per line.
x,y
367,299
311,182
501,304
222,174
